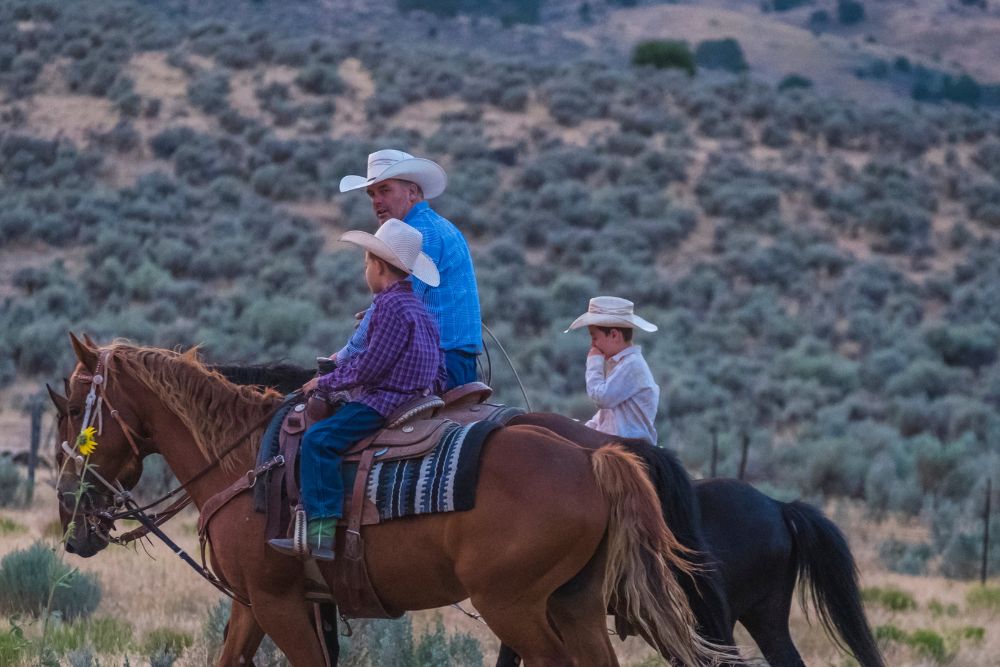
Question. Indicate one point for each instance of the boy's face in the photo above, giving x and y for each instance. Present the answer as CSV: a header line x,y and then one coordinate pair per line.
x,y
372,276
608,344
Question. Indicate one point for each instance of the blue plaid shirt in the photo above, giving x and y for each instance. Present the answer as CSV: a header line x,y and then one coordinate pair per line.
x,y
454,303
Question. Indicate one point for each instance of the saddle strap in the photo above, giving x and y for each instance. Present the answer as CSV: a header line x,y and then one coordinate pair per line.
x,y
353,589
222,498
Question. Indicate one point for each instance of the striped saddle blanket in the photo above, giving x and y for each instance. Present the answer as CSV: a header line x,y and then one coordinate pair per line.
x,y
443,480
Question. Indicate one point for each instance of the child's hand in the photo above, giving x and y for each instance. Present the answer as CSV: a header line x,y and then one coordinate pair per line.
x,y
594,352
310,386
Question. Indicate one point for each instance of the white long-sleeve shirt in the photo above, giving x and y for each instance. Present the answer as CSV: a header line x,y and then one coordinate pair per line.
x,y
625,393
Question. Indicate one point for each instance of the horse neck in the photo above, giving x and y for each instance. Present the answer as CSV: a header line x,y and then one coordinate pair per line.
x,y
182,429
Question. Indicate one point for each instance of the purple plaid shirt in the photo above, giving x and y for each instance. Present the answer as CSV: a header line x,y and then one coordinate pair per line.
x,y
402,357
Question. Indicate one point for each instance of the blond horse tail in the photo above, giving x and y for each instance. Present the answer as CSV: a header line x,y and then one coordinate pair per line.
x,y
638,584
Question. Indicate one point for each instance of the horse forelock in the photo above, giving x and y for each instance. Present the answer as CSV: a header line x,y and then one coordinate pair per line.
x,y
214,410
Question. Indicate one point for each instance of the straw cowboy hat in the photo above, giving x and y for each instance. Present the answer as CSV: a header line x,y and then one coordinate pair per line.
x,y
610,311
390,163
399,244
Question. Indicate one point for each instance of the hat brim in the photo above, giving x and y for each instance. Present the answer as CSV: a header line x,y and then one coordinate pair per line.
x,y
423,268
601,320
428,174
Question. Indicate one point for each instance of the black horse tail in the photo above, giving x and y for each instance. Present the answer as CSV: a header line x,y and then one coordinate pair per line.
x,y
679,505
824,561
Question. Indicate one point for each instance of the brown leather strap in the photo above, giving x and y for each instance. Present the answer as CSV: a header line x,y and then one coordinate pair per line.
x,y
352,540
159,518
245,482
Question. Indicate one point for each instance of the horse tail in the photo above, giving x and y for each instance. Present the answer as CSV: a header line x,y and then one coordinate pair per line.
x,y
824,561
638,585
682,514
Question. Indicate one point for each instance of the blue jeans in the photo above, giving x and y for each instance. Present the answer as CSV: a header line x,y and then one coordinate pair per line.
x,y
323,445
461,367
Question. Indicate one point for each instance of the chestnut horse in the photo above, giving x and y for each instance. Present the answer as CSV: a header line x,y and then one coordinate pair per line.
x,y
590,534
751,549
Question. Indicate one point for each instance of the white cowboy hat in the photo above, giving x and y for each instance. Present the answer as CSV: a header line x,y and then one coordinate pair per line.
x,y
390,163
610,311
399,244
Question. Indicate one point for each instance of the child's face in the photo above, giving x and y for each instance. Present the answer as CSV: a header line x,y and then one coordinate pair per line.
x,y
608,344
372,274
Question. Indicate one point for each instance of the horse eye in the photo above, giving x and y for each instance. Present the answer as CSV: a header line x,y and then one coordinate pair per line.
x,y
74,411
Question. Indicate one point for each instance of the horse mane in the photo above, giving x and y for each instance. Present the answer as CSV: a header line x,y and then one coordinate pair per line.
x,y
214,410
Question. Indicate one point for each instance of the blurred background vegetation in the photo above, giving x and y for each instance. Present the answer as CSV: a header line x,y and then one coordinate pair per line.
x,y
823,270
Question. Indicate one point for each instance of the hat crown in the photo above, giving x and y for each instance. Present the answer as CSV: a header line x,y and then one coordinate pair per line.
x,y
401,239
381,160
610,305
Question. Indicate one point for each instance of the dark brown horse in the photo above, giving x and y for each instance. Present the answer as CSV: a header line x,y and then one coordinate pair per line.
x,y
580,516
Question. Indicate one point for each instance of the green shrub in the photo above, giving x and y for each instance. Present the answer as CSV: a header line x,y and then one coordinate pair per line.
x,y
850,12
793,81
890,632
10,483
938,608
103,635
27,576
13,646
905,557
984,597
930,644
10,527
664,54
891,598
725,54
972,633
166,645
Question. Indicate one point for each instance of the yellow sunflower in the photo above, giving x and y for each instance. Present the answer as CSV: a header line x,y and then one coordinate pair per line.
x,y
85,441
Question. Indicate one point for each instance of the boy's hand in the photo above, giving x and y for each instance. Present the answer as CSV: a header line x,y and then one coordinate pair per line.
x,y
594,352
310,386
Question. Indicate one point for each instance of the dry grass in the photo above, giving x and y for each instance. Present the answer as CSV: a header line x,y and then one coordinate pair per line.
x,y
158,591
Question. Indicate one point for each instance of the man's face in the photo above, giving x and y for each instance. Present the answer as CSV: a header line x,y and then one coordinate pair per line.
x,y
391,199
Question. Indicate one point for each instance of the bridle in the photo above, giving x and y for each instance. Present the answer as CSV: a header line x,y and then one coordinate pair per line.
x,y
122,500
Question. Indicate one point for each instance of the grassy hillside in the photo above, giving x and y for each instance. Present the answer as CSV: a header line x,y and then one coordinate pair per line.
x,y
823,271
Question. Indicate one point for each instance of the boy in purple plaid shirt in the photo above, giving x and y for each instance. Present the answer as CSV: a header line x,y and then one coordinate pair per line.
x,y
402,359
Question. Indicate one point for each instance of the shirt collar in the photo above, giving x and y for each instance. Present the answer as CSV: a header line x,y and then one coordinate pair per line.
x,y
415,209
397,286
631,349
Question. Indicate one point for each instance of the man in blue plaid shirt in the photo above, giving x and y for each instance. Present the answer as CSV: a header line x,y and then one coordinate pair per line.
x,y
399,186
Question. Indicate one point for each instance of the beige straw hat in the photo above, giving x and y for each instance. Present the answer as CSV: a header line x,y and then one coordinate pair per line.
x,y
610,311
399,244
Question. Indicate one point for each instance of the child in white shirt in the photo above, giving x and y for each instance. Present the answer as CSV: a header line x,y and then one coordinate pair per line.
x,y
618,379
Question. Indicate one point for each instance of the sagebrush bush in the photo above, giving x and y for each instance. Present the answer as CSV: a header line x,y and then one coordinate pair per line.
x,y
28,575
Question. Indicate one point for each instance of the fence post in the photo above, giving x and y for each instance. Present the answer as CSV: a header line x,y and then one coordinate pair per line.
x,y
744,454
715,452
986,531
36,437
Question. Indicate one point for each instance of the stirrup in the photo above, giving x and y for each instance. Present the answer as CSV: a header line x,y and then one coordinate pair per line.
x,y
299,542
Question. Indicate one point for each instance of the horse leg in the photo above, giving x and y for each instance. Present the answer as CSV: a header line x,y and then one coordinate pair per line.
x,y
526,630
288,620
578,612
242,638
767,623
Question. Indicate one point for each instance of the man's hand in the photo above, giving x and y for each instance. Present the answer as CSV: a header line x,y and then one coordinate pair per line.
x,y
358,316
594,352
310,386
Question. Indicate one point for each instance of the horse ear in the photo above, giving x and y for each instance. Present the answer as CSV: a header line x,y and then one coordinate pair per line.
x,y
58,400
90,341
86,354
66,386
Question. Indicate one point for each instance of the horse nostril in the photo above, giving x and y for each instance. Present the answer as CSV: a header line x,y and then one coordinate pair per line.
x,y
69,548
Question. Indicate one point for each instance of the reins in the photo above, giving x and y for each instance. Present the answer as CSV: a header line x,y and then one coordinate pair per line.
x,y
122,497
